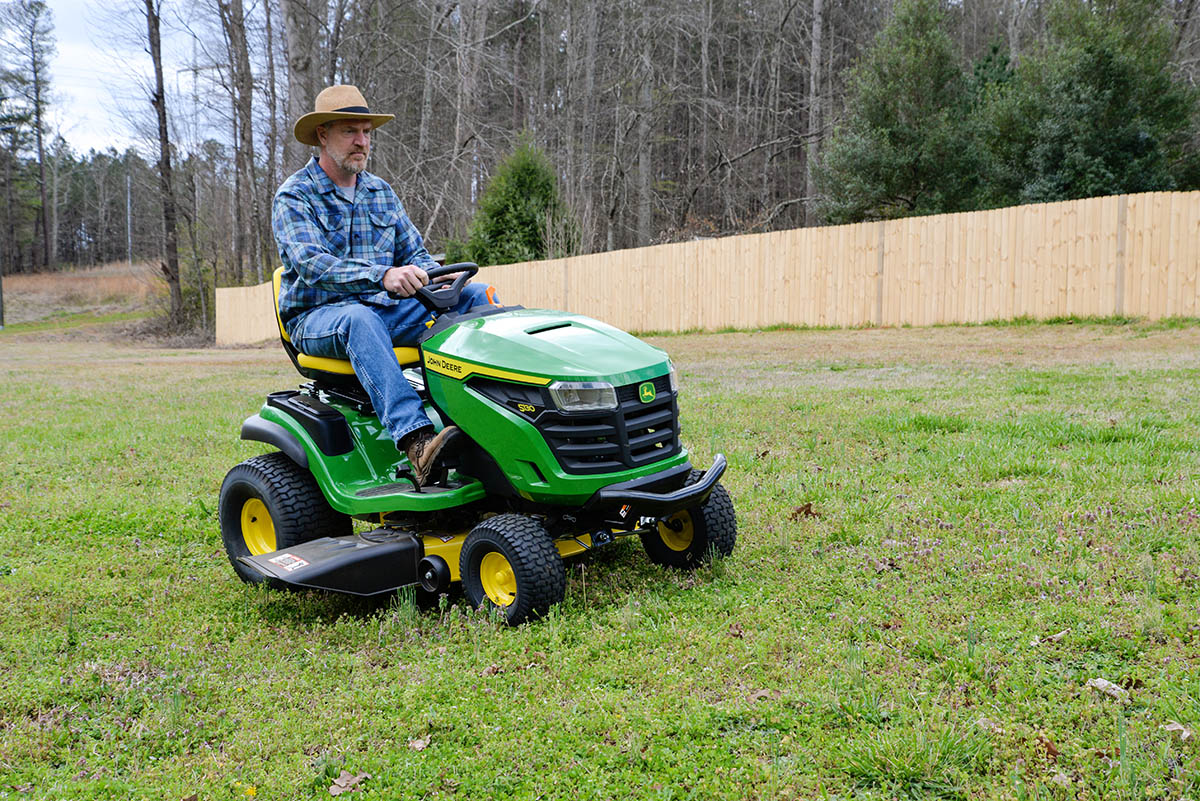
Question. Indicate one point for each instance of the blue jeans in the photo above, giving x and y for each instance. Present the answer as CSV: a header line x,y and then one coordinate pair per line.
x,y
365,334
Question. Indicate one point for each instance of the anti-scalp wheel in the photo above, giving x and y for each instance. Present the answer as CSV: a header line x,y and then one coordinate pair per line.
x,y
269,502
690,538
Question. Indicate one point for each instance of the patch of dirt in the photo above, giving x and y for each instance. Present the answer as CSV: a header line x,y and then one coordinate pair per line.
x,y
884,358
897,357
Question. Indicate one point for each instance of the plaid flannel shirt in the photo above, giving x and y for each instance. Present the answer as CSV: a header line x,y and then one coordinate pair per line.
x,y
334,251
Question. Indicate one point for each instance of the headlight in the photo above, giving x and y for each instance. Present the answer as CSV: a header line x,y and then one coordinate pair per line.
x,y
583,396
673,377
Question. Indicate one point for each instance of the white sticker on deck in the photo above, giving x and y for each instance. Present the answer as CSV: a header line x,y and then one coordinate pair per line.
x,y
288,562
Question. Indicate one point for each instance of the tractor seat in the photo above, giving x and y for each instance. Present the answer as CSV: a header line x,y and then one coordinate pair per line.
x,y
338,372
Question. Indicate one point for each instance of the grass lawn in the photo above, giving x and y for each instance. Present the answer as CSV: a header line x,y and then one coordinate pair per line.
x,y
945,535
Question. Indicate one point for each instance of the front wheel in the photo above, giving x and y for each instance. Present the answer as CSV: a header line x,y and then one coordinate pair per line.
x,y
693,537
509,563
269,503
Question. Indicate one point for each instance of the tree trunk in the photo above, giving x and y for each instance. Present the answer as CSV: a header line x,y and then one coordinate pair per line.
x,y
237,217
645,215
234,19
302,51
35,63
10,244
591,29
814,115
272,105
472,26
170,268
335,41
435,18
54,175
6,260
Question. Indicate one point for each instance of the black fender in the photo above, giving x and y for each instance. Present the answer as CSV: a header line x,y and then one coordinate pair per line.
x,y
259,430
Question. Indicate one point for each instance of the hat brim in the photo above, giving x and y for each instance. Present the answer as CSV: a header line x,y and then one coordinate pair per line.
x,y
305,129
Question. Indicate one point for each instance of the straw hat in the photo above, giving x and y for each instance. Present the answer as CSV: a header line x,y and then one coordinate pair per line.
x,y
342,102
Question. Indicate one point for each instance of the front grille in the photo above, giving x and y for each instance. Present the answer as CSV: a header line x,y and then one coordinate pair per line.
x,y
634,434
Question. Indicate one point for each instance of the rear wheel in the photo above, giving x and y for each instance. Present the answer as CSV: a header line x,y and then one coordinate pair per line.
x,y
269,503
509,563
693,537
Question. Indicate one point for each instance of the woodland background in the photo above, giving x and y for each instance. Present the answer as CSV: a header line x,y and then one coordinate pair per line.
x,y
659,121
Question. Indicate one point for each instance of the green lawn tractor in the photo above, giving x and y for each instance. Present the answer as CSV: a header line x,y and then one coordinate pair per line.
x,y
569,440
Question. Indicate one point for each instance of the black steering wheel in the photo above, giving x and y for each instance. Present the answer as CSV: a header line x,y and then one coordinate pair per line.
x,y
442,296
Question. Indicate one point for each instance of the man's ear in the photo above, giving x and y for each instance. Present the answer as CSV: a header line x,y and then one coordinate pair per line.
x,y
321,131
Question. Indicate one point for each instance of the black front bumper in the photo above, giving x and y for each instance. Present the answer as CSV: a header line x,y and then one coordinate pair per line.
x,y
659,495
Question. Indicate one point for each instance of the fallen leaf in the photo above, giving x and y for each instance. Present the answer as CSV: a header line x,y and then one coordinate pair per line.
x,y
347,783
735,630
804,510
764,454
491,670
989,725
1052,638
883,565
1108,688
1178,728
759,695
193,797
1050,748
420,744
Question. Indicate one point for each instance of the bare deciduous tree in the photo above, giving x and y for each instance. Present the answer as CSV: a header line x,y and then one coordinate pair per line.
x,y
170,267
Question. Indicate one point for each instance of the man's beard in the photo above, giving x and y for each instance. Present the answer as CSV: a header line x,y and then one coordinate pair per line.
x,y
351,166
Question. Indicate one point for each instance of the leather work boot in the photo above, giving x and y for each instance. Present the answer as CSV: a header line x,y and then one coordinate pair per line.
x,y
424,450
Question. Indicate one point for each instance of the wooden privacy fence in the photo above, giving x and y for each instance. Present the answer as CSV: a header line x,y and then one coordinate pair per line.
x,y
1126,255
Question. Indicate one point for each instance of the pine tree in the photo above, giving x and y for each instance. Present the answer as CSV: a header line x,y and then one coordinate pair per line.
x,y
521,215
905,146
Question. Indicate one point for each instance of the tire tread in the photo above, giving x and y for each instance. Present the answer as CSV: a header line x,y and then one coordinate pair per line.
x,y
298,508
542,577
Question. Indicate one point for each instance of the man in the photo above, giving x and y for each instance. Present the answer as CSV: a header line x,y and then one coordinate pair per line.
x,y
346,243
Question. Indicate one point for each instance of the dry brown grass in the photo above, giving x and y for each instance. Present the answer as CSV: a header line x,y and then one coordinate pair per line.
x,y
768,356
110,287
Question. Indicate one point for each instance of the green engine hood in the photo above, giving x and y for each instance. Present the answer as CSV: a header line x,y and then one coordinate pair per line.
x,y
531,343
536,348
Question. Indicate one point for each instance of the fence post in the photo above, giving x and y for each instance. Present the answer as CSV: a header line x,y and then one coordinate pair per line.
x,y
879,276
1122,204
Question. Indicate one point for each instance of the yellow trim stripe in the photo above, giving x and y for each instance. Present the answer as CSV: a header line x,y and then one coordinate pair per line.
x,y
455,368
404,356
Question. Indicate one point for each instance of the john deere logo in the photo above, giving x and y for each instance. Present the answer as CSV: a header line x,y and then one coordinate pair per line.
x,y
646,392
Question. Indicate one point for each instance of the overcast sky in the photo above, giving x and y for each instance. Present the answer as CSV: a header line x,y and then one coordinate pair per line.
x,y
91,75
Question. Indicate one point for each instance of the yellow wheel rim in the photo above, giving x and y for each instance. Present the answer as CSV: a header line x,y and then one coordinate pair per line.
x,y
258,531
498,580
679,540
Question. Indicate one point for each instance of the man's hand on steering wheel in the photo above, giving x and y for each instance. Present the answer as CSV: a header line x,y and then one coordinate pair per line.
x,y
449,278
405,281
